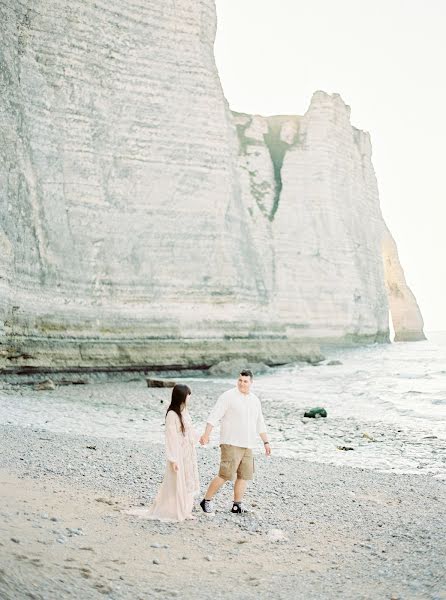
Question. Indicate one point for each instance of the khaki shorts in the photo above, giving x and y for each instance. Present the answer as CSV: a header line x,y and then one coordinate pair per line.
x,y
236,461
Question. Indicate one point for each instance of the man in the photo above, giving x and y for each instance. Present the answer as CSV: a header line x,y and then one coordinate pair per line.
x,y
240,413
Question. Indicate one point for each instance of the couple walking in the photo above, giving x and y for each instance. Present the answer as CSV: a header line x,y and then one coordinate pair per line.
x,y
240,416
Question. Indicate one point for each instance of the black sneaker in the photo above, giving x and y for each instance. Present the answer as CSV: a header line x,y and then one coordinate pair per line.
x,y
239,509
207,506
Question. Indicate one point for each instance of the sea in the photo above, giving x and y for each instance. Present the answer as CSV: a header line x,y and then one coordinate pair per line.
x,y
386,401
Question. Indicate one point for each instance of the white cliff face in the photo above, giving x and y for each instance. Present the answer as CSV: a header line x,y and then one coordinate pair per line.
x,y
119,193
131,219
326,231
107,137
313,198
311,179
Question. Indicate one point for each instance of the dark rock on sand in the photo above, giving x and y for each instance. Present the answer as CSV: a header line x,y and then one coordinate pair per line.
x,y
315,413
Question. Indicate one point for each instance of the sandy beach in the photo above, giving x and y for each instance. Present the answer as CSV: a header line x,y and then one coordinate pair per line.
x,y
315,530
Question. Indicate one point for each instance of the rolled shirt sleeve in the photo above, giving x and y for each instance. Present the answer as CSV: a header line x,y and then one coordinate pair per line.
x,y
218,411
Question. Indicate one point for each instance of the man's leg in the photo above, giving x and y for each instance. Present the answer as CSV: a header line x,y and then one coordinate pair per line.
x,y
239,489
214,486
245,473
207,504
225,473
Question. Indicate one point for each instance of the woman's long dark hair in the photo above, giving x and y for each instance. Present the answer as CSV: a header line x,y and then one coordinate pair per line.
x,y
179,394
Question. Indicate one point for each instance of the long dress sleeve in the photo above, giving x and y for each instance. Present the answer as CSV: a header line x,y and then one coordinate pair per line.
x,y
172,442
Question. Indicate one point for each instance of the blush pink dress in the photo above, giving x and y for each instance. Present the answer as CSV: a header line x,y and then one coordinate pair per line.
x,y
175,498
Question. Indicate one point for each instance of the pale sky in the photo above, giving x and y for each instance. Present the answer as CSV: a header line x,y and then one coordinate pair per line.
x,y
387,59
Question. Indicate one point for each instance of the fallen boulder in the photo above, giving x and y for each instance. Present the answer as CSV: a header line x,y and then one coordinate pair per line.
x,y
160,383
47,384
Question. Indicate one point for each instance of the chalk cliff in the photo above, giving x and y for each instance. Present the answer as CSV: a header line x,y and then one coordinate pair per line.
x,y
312,195
141,223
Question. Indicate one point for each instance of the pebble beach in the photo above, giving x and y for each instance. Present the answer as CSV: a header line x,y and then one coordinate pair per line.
x,y
315,530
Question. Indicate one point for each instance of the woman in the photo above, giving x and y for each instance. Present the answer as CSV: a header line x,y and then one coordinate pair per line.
x,y
175,498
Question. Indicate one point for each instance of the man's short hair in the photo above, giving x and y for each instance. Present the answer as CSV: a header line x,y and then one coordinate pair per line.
x,y
246,373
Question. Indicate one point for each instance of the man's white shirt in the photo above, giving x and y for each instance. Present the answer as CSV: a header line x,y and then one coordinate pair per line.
x,y
241,418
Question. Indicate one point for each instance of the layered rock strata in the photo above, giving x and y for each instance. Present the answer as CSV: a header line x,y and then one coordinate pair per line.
x,y
312,194
137,228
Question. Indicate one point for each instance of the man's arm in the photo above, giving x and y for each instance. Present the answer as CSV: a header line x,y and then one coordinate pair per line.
x,y
261,429
265,441
207,432
216,414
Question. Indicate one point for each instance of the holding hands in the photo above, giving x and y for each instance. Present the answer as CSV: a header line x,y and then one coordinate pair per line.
x,y
204,440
